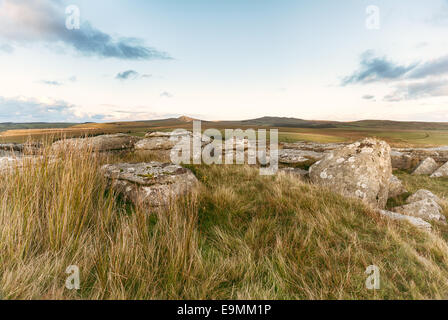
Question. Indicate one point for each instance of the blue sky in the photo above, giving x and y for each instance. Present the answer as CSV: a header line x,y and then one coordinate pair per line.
x,y
223,59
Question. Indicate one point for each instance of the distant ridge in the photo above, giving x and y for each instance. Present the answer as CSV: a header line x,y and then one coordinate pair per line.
x,y
186,119
324,124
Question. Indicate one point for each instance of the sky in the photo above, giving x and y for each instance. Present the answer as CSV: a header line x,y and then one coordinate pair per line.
x,y
122,60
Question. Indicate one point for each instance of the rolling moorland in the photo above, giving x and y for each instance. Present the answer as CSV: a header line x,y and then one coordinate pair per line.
x,y
238,236
399,134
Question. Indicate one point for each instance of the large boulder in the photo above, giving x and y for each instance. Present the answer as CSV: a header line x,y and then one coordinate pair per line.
x,y
103,143
441,172
426,167
152,184
396,187
360,170
427,209
417,222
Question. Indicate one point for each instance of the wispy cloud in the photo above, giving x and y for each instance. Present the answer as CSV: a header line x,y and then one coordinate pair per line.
x,y
415,81
24,21
436,67
130,75
418,90
51,83
166,94
125,75
368,97
375,69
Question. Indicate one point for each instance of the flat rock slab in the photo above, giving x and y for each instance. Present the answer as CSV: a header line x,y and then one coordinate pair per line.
x,y
152,184
155,141
294,156
441,172
361,170
103,143
313,146
417,222
426,167
426,209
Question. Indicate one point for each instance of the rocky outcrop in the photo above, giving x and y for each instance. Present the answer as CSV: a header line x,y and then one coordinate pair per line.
x,y
305,152
402,161
417,222
427,209
396,187
159,134
167,140
313,146
293,156
426,167
439,154
103,143
441,172
423,194
402,158
360,170
150,184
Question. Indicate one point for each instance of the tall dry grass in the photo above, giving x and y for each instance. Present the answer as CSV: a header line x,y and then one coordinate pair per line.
x,y
241,236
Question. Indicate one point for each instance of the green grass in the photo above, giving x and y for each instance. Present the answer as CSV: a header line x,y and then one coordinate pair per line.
x,y
239,236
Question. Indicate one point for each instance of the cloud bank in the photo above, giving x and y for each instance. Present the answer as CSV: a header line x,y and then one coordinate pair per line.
x,y
25,21
414,81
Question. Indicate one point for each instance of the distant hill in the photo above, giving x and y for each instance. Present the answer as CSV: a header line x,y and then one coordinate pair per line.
x,y
34,125
280,122
289,123
378,124
403,125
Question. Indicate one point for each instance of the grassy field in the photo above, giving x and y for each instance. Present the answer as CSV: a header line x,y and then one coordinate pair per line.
x,y
239,236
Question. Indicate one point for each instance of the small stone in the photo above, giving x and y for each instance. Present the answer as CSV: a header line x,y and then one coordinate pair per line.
x,y
426,209
417,222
